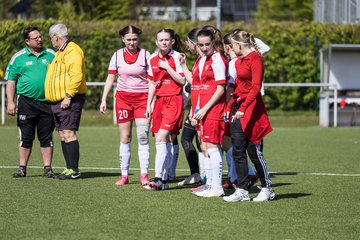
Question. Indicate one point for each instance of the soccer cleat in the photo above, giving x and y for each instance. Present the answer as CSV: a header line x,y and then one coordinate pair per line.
x,y
122,180
49,173
144,179
156,185
192,179
69,174
19,173
266,194
212,191
240,195
199,188
252,180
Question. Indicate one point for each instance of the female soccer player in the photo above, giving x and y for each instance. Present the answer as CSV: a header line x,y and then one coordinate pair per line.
x,y
211,73
195,160
250,123
166,79
129,64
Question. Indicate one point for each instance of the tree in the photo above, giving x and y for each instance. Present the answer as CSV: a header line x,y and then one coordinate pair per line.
x,y
284,10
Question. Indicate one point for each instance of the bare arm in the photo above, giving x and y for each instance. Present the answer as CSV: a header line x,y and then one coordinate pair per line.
x,y
149,105
107,88
187,72
174,75
10,94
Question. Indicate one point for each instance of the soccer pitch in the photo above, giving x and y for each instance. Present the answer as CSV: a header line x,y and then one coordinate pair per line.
x,y
315,174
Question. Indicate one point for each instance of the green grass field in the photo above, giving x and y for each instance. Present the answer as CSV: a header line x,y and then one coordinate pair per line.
x,y
315,174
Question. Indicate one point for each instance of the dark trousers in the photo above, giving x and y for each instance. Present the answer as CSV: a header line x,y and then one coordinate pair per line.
x,y
241,144
187,137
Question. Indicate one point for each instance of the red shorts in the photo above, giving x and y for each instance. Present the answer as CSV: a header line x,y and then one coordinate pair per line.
x,y
168,114
130,106
212,130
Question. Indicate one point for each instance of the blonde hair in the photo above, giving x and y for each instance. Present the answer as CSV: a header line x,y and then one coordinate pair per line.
x,y
245,38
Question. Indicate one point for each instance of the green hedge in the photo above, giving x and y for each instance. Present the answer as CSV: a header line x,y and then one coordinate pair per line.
x,y
293,58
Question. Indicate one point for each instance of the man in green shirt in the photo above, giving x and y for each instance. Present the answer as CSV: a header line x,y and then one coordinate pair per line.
x,y
25,76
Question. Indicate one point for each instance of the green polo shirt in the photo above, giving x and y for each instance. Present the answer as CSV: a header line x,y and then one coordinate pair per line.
x,y
29,72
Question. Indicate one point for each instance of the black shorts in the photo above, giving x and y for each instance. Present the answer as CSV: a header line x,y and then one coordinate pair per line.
x,y
69,118
33,115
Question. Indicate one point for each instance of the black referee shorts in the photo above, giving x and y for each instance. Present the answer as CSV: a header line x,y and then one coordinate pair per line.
x,y
34,115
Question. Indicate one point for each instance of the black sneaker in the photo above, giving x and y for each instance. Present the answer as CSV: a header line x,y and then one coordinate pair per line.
x,y
69,174
49,173
19,173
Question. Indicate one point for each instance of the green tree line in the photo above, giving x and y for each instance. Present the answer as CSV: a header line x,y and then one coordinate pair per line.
x,y
293,58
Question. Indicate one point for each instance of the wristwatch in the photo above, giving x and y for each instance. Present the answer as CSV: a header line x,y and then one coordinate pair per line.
x,y
68,95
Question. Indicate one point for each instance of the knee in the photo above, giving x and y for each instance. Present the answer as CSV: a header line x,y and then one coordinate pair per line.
x,y
68,135
143,134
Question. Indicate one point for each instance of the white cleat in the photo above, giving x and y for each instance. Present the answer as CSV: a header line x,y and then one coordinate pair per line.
x,y
240,195
211,192
266,194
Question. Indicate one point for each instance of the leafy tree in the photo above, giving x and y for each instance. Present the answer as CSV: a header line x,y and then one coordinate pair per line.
x,y
285,10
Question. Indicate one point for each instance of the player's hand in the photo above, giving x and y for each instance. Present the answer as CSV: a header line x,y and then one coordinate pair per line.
x,y
200,114
182,58
11,108
103,107
238,115
194,122
164,64
65,103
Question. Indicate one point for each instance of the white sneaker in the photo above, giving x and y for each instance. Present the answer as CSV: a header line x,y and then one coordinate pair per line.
x,y
192,179
213,191
266,194
240,195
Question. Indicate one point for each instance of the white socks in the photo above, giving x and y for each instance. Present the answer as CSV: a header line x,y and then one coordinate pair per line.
x,y
124,158
144,157
160,158
216,166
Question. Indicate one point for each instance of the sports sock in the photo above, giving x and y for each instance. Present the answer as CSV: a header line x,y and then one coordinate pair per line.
x,y
73,150
167,163
124,158
208,170
202,165
144,157
174,159
216,166
65,154
22,168
160,158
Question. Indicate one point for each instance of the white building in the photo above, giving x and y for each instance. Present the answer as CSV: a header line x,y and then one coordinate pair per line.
x,y
337,11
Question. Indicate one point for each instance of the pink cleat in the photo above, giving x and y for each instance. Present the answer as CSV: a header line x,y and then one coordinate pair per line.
x,y
122,180
144,179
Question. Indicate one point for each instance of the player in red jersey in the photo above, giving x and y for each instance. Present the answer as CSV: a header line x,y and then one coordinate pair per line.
x,y
129,64
250,123
165,102
211,73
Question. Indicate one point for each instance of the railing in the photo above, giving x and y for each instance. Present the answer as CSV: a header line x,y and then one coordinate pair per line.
x,y
333,86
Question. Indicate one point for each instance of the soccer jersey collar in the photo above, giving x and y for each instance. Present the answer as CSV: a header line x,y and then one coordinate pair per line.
x,y
64,45
28,52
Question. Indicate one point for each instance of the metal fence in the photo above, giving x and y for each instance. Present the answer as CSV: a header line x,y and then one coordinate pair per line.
x,y
90,84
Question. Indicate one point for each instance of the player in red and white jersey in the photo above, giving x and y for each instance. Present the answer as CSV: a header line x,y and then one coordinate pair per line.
x,y
165,102
130,65
250,123
212,75
226,143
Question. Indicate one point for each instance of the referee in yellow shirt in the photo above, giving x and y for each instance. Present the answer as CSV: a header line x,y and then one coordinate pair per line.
x,y
65,88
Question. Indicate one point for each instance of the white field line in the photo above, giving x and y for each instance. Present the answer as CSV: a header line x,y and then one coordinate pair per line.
x,y
187,170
